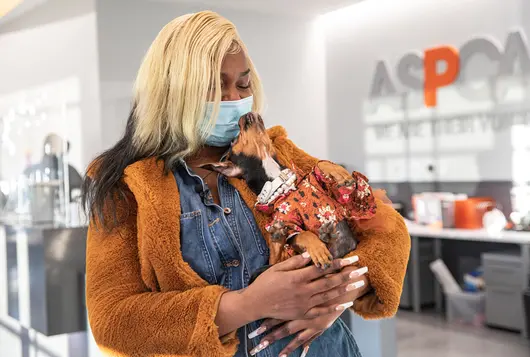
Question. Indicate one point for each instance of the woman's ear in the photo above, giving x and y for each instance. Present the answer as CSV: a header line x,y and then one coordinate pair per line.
x,y
225,168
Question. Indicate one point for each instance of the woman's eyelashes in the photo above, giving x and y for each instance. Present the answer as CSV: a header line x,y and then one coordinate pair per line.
x,y
244,86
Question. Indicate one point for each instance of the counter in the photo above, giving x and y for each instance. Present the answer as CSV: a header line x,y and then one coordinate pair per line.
x,y
482,235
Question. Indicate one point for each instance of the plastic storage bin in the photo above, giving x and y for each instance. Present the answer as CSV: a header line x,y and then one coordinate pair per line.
x,y
466,308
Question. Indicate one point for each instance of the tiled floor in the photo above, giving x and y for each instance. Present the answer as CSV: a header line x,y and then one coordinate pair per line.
x,y
429,336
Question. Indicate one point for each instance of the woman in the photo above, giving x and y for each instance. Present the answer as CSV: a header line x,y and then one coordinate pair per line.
x,y
171,247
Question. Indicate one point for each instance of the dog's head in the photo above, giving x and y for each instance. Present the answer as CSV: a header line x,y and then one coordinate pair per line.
x,y
252,155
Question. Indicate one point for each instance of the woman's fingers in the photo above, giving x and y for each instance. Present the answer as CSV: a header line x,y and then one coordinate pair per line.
x,y
267,325
287,329
301,339
326,286
308,344
352,284
326,310
293,263
312,272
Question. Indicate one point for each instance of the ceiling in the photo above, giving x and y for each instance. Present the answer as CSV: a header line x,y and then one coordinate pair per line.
x,y
7,6
22,7
292,7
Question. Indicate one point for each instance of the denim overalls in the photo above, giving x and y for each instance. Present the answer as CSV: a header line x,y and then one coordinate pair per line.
x,y
224,245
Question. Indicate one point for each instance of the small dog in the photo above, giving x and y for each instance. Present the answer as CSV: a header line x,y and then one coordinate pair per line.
x,y
296,203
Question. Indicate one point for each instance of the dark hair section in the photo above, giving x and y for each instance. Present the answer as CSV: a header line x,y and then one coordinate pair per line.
x,y
103,186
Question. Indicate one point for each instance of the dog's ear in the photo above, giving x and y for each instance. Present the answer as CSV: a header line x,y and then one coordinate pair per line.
x,y
226,168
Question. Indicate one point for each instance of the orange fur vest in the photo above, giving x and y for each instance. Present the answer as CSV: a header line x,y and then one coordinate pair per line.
x,y
143,300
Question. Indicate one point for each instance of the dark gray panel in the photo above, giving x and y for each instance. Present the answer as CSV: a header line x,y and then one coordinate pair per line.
x,y
57,275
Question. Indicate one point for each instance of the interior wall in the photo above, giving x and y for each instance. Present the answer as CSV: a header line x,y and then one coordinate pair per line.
x,y
287,52
49,54
360,36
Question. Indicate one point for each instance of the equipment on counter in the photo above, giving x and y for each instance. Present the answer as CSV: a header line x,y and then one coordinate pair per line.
x,y
494,221
469,213
448,210
435,209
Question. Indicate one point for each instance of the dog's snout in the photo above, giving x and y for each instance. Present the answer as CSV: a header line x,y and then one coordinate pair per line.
x,y
248,120
243,122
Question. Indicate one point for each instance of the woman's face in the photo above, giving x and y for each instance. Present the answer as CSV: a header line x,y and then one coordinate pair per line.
x,y
235,77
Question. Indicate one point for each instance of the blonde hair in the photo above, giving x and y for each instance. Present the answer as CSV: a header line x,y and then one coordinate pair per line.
x,y
180,69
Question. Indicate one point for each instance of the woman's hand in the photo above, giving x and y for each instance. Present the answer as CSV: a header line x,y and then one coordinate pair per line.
x,y
292,291
307,331
310,329
357,288
339,173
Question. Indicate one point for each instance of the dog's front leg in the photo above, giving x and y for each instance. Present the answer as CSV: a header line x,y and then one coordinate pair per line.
x,y
311,243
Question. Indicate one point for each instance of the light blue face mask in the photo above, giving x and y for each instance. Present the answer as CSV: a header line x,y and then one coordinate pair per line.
x,y
226,127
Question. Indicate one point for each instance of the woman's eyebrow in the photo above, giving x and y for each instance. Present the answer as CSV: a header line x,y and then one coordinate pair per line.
x,y
242,74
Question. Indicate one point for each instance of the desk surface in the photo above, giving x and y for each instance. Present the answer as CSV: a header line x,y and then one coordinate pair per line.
x,y
480,235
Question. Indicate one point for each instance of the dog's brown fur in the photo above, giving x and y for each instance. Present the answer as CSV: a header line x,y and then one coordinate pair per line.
x,y
252,142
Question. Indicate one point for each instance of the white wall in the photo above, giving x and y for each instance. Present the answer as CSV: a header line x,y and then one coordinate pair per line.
x,y
287,52
46,55
359,36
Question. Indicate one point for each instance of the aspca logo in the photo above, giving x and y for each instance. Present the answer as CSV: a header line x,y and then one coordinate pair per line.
x,y
442,66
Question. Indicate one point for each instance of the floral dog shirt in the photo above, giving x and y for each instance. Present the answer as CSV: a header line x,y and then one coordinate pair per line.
x,y
318,200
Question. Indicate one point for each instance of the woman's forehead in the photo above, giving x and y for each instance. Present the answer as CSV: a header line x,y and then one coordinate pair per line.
x,y
235,65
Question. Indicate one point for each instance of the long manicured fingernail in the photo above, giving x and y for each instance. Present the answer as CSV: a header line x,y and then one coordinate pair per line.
x,y
284,355
359,272
259,348
257,332
356,285
306,349
349,261
306,255
344,306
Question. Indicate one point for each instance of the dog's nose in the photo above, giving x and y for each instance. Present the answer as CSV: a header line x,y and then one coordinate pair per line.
x,y
243,122
247,120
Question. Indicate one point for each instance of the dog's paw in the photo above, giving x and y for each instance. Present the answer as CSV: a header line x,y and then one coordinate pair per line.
x,y
277,230
320,255
327,232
